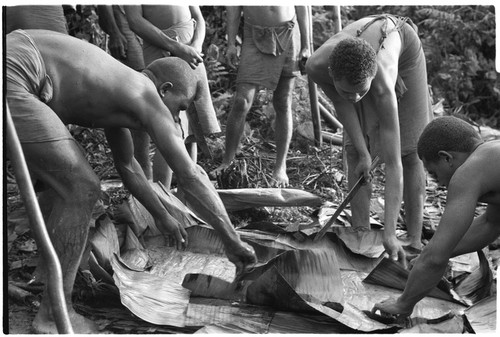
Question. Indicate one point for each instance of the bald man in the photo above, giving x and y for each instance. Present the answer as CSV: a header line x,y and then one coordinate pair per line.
x,y
54,80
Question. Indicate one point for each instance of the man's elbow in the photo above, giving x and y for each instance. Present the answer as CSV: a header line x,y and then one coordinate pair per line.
x,y
313,68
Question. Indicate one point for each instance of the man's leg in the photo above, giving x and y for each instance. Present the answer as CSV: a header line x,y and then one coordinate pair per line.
x,y
360,204
161,170
141,151
76,190
236,122
282,102
414,197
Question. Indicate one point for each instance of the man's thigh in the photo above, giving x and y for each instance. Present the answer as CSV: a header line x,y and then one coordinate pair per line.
x,y
60,165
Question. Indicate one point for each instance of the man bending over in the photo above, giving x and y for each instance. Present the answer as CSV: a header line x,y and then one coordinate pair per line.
x,y
54,80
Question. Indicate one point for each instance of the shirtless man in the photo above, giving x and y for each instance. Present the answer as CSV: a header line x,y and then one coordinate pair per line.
x,y
55,79
271,63
164,30
378,86
454,154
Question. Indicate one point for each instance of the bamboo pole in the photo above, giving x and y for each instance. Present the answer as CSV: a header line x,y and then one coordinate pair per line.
x,y
37,225
328,117
313,94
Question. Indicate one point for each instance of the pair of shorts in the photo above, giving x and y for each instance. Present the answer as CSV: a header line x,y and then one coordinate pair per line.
x,y
266,68
29,90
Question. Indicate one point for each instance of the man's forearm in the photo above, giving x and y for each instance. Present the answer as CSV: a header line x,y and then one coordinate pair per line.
x,y
393,195
149,32
233,23
107,20
140,188
202,196
424,276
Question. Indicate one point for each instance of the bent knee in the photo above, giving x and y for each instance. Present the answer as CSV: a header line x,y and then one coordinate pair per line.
x,y
242,102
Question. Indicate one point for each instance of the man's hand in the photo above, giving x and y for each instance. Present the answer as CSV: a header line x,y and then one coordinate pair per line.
x,y
363,168
188,54
243,256
395,251
232,56
175,229
118,46
394,308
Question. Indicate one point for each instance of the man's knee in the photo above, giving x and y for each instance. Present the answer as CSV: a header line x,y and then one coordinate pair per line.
x,y
87,188
411,160
242,103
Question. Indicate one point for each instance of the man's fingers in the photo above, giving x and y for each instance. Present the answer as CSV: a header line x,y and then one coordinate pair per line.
x,y
181,238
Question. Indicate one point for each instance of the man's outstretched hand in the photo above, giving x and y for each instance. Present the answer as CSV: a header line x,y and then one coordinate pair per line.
x,y
392,308
243,256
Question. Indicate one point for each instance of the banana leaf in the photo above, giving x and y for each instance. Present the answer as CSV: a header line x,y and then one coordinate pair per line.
x,y
391,274
244,198
478,284
150,297
482,316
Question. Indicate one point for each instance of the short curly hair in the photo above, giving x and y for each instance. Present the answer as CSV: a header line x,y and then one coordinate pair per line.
x,y
353,59
447,133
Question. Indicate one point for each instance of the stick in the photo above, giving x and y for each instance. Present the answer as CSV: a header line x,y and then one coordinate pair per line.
x,y
344,203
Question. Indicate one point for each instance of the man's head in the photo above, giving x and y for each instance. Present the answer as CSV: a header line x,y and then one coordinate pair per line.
x,y
179,85
352,66
443,144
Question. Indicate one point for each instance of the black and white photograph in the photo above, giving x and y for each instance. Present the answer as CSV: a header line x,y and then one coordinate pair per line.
x,y
254,168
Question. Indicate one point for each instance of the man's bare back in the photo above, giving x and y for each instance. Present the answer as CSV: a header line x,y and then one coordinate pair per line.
x,y
77,102
268,16
484,163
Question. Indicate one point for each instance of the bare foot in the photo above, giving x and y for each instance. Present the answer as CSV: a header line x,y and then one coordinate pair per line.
x,y
81,325
280,179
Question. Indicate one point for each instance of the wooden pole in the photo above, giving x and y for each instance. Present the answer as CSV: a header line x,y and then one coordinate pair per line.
x,y
37,225
313,94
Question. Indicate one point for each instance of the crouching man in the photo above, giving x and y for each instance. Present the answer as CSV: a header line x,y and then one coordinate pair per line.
x,y
454,153
54,80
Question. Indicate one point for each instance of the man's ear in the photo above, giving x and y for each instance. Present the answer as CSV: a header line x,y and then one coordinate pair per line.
x,y
445,155
164,87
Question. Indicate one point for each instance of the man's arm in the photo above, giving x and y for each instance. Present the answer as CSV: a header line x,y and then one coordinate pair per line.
x,y
233,22
387,111
200,30
431,265
385,107
193,181
117,42
120,142
149,32
304,26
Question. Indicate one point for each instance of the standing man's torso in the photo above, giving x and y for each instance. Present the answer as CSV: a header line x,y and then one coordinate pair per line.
x,y
165,16
268,16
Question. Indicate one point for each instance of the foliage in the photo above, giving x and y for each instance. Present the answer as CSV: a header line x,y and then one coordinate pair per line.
x,y
83,24
459,42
